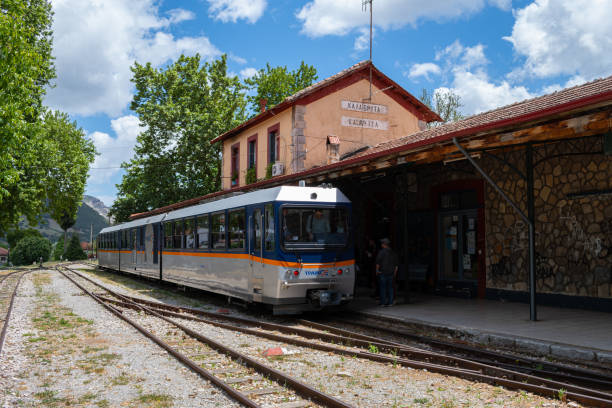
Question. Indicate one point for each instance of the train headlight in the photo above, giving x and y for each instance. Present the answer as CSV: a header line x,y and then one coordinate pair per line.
x,y
340,271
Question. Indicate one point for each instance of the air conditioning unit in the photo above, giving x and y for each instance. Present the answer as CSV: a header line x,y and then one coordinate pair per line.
x,y
278,169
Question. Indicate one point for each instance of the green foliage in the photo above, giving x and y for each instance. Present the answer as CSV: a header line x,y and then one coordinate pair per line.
x,y
251,177
30,249
275,84
181,107
58,249
74,251
16,235
26,67
44,158
447,104
269,170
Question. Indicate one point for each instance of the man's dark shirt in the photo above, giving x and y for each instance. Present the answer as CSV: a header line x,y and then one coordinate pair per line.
x,y
387,260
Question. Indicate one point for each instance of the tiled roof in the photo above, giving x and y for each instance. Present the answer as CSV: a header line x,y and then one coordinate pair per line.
x,y
3,251
524,111
559,102
290,100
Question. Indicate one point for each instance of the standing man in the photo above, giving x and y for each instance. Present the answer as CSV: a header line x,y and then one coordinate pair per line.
x,y
386,271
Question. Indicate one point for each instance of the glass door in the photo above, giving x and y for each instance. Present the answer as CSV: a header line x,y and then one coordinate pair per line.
x,y
458,252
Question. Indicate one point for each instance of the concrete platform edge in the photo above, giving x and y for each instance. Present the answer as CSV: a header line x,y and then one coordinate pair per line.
x,y
526,345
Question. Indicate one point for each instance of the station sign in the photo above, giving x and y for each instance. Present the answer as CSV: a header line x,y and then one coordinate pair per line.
x,y
365,123
364,107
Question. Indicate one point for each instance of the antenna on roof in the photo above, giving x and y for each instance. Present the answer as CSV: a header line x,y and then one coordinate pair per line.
x,y
364,7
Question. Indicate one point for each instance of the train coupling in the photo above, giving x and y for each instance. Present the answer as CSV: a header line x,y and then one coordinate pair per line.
x,y
324,297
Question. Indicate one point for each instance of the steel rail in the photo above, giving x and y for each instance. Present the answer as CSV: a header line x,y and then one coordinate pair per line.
x,y
299,387
10,308
511,359
578,393
584,395
233,393
590,378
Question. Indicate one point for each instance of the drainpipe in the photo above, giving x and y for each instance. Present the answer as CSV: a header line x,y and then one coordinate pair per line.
x,y
529,218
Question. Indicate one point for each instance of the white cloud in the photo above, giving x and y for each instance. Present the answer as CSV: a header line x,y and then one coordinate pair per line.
x,y
464,68
418,70
564,37
96,42
362,42
478,93
234,10
248,72
339,17
113,150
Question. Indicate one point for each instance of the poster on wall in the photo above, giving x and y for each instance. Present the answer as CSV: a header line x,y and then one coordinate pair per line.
x,y
471,242
467,262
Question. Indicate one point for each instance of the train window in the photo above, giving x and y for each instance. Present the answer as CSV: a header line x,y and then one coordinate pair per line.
x,y
189,242
269,234
123,239
218,231
314,227
133,239
236,229
202,237
168,235
257,228
178,234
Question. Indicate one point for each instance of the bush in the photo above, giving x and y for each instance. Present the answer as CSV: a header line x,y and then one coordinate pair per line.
x,y
250,176
269,171
30,249
74,251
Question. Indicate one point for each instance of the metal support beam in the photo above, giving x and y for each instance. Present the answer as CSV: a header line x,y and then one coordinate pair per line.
x,y
531,214
529,218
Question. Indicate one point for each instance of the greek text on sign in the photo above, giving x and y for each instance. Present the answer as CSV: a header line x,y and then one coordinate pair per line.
x,y
365,123
364,107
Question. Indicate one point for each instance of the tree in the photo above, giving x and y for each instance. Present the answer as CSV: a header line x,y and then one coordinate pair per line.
x,y
30,249
275,84
69,155
445,103
26,67
74,251
181,107
16,235
58,249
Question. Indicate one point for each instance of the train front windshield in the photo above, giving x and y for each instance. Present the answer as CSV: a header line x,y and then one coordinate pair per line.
x,y
314,227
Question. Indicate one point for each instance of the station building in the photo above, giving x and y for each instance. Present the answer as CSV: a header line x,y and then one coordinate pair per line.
x,y
457,200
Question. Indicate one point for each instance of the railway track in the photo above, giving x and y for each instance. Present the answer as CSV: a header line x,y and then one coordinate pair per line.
x,y
540,368
243,378
8,290
336,340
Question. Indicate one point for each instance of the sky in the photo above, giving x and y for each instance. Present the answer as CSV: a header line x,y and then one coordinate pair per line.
x,y
489,52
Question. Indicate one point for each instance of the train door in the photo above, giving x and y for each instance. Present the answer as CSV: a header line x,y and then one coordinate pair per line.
x,y
155,243
134,246
256,253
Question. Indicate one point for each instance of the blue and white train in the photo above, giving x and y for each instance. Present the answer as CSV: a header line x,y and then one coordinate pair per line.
x,y
286,247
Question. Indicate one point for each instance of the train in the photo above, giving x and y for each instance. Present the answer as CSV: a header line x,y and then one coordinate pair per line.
x,y
289,248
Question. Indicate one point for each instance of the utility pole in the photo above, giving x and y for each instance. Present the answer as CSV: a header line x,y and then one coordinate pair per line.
x,y
364,5
90,239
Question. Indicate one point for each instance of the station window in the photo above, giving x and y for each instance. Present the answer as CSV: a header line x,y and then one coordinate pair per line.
x,y
202,238
273,144
252,153
189,232
168,235
218,231
235,161
177,242
236,228
269,222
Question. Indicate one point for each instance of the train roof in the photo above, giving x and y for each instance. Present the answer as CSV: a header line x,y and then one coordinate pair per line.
x,y
281,193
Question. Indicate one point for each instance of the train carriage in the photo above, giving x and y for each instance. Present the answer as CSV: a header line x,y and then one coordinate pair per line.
x,y
287,247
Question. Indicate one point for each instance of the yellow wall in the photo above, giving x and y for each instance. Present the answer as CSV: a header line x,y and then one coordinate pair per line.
x,y
261,129
323,118
318,120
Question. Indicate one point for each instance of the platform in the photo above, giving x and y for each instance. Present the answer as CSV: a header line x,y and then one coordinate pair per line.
x,y
560,332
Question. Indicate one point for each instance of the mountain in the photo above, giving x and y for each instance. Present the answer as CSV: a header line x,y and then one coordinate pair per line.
x,y
97,205
87,217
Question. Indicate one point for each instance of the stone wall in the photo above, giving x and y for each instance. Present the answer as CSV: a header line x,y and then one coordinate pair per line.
x,y
573,232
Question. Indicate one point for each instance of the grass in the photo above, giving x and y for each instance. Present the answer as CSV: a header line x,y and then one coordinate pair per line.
x,y
155,400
